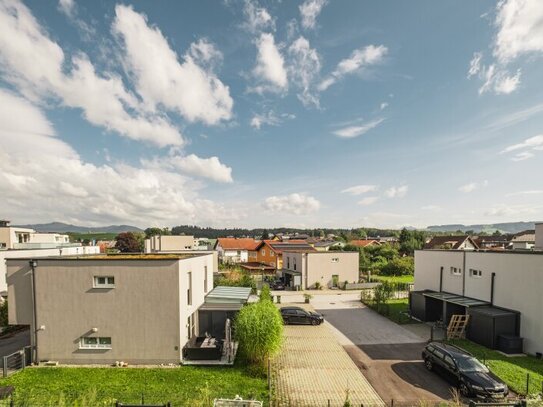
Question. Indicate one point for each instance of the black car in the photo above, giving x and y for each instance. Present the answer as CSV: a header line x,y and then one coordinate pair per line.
x,y
277,285
471,376
299,316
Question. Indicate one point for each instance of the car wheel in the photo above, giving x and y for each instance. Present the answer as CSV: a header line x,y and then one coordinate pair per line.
x,y
428,363
285,321
464,390
314,322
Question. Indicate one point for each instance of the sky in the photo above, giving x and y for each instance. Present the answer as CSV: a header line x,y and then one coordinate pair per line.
x,y
310,113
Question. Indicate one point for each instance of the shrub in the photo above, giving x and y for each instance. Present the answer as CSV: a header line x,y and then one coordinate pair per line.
x,y
399,266
265,294
318,285
259,330
4,314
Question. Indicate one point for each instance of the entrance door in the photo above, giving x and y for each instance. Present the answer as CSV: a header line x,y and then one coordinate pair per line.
x,y
335,280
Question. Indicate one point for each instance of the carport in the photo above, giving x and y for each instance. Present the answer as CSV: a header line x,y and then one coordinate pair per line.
x,y
293,279
431,306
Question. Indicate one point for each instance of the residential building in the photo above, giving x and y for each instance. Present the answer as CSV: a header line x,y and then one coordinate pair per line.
x,y
13,237
236,250
539,236
330,269
325,245
500,242
270,252
462,242
459,282
523,240
364,242
140,309
169,243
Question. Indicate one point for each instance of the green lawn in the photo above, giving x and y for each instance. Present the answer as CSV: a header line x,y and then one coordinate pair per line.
x,y
182,386
394,279
512,370
92,236
394,310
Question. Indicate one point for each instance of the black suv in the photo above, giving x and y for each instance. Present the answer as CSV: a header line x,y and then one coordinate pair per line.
x,y
471,376
299,316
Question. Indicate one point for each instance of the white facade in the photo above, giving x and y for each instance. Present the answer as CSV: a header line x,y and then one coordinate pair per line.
x,y
18,254
168,243
518,283
23,238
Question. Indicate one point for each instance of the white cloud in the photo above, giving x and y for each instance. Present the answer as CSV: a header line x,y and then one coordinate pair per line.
x,y
270,68
257,18
528,192
475,64
369,200
296,204
270,119
528,147
397,192
309,10
36,65
520,29
192,90
358,60
67,7
65,187
210,168
304,68
467,188
360,189
383,106
503,210
355,131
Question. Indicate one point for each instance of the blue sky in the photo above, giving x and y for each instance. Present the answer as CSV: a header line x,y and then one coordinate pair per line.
x,y
314,113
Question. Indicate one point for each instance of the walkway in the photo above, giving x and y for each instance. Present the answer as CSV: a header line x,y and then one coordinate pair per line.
x,y
314,370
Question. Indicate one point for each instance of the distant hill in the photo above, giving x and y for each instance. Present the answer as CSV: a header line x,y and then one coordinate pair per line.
x,y
510,227
60,227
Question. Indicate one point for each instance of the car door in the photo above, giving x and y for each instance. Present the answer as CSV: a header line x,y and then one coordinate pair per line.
x,y
302,317
450,369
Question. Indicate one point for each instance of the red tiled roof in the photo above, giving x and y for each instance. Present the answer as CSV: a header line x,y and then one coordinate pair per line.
x,y
363,242
232,243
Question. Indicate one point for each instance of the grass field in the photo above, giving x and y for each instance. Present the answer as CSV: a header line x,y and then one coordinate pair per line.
x,y
512,370
182,386
394,279
91,236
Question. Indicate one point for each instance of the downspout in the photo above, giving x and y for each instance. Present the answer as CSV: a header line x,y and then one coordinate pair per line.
x,y
492,278
441,280
34,327
304,269
464,274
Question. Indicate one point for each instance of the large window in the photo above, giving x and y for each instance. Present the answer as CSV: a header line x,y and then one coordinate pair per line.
x,y
205,279
104,282
189,289
87,342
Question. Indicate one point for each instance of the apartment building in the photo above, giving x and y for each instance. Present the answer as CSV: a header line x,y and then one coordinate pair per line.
x,y
169,243
330,269
469,282
141,309
237,250
12,237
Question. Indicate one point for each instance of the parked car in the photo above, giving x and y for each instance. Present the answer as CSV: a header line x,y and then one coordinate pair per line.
x,y
277,285
299,316
471,376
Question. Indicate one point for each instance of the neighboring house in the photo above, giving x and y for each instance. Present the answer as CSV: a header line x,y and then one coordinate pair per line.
x,y
474,282
387,239
523,240
236,250
169,243
140,309
13,237
324,246
501,242
364,242
451,243
538,236
329,269
270,252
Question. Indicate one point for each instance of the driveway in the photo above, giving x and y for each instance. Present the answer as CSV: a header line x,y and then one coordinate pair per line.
x,y
14,342
386,353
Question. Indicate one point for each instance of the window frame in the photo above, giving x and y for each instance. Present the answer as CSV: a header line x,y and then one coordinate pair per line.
x,y
97,345
107,284
475,273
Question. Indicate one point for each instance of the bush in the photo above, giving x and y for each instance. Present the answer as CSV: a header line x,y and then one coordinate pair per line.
x,y
400,266
259,330
236,278
265,294
4,314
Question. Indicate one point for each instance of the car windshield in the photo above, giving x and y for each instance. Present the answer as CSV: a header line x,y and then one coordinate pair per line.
x,y
468,364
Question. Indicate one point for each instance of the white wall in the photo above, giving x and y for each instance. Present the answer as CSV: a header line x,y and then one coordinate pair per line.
x,y
17,254
539,236
518,284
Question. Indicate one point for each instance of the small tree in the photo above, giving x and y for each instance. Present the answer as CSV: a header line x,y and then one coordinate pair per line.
x,y
129,242
4,314
265,293
259,330
383,293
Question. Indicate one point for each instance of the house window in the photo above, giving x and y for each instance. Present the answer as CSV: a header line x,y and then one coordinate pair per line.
x,y
475,273
239,252
335,259
288,262
205,279
104,282
456,271
103,342
190,326
189,290
272,254
263,252
294,261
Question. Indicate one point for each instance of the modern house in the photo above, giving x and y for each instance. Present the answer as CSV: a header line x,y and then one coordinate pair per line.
x,y
462,242
364,242
304,269
523,240
140,309
13,237
270,252
236,250
501,242
500,289
325,245
169,243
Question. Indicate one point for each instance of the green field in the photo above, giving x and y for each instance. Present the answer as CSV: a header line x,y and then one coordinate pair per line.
x,y
394,279
512,370
91,236
182,386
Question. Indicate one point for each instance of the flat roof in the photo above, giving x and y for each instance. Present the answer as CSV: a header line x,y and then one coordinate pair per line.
x,y
128,256
223,295
487,251
455,299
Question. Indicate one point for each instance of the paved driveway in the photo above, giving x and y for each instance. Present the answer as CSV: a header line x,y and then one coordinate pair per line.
x,y
14,342
386,353
313,369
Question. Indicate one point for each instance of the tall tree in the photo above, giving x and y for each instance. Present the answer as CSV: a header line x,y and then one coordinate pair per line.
x,y
129,242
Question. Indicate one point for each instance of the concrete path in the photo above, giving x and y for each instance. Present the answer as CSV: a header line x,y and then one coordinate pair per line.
x,y
386,353
14,342
313,369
